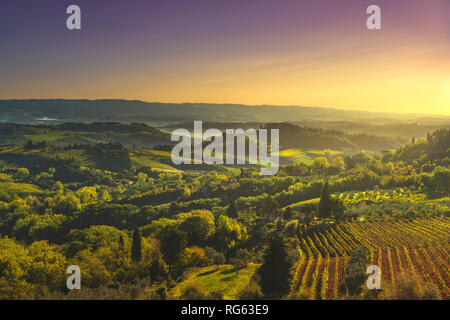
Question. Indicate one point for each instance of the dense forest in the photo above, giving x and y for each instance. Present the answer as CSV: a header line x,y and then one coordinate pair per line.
x,y
106,197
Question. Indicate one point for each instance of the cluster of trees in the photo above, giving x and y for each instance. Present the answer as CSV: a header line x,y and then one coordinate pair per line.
x,y
293,136
125,226
356,270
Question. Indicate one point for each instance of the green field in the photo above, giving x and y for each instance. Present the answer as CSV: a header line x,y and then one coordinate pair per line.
x,y
298,205
19,188
307,155
225,280
152,158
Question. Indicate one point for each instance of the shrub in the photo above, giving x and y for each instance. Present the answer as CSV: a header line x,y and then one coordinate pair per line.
x,y
251,292
193,291
356,270
410,288
291,227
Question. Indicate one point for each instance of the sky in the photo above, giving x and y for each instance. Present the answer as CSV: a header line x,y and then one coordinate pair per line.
x,y
273,52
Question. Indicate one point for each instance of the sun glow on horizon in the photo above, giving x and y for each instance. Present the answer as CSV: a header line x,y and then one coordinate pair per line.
x,y
304,53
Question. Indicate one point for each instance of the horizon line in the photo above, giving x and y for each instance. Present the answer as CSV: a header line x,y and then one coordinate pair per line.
x,y
232,104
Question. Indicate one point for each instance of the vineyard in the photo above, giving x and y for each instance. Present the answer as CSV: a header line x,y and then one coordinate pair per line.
x,y
397,196
416,248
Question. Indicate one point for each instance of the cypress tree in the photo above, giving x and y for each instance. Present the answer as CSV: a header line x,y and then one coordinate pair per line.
x,y
136,246
121,243
173,241
299,231
275,271
325,202
232,211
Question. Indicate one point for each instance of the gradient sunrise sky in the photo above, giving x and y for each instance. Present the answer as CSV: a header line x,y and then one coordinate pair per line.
x,y
280,52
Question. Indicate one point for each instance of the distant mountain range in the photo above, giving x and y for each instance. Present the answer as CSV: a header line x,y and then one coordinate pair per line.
x,y
168,115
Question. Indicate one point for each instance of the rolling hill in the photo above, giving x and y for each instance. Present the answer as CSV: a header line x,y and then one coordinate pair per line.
x,y
57,110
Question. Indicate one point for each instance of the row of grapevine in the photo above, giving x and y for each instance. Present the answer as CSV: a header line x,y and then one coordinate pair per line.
x,y
299,270
436,273
320,278
323,277
341,240
425,264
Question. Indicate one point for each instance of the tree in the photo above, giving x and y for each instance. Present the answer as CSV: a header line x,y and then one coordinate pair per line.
x,y
275,271
279,225
173,208
338,209
237,264
245,256
356,270
232,211
66,204
93,238
251,292
339,164
173,241
14,260
357,159
162,293
307,218
94,272
198,227
291,228
136,246
194,257
218,259
214,257
193,291
411,213
22,173
404,287
228,233
87,194
121,243
47,264
270,207
157,270
319,165
441,180
325,202
288,213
